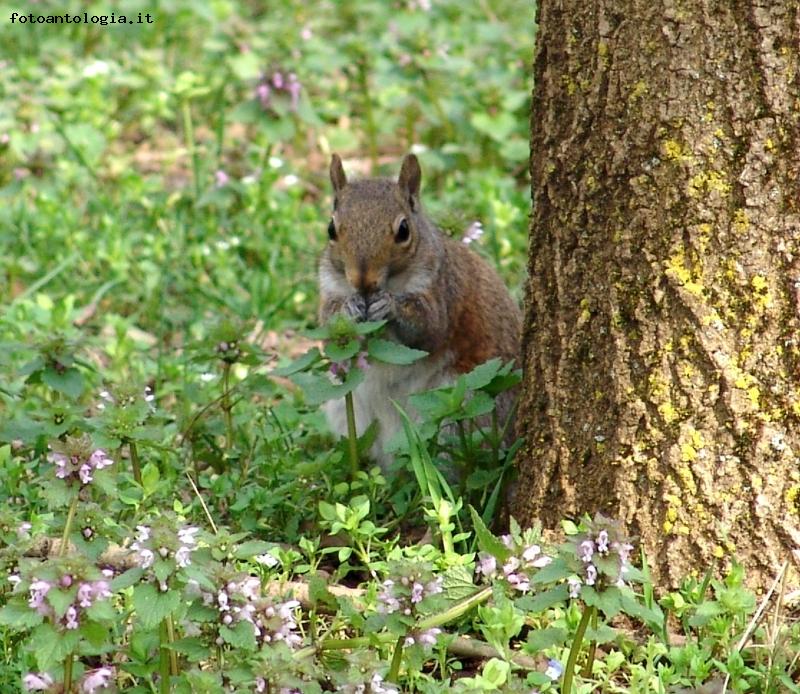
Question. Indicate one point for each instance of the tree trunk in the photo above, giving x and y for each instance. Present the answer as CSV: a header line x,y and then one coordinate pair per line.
x,y
661,348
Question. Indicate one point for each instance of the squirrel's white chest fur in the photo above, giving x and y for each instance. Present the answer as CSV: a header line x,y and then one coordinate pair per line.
x,y
372,400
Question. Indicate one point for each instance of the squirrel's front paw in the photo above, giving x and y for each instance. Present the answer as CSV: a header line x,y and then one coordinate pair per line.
x,y
380,306
355,307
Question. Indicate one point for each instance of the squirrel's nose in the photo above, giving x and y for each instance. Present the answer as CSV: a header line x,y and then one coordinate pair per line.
x,y
364,280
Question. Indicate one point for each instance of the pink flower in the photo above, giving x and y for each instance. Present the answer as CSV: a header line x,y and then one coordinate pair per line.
x,y
71,618
221,178
262,93
37,682
38,591
85,594
96,679
473,232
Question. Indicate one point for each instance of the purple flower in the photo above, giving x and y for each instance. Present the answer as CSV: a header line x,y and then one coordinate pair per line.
x,y
85,473
221,179
96,679
361,361
586,550
387,602
554,669
98,459
519,581
146,558
71,618
574,584
182,557
339,368
37,682
591,574
623,549
277,80
77,460
263,93
423,638
294,87
85,594
472,233
487,564
39,590
417,591
24,530
602,541
101,590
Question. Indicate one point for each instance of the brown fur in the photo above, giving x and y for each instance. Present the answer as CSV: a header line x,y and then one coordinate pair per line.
x,y
436,293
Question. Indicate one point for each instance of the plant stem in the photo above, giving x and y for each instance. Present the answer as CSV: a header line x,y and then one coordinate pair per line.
x,y
226,406
163,659
62,550
173,654
454,612
397,659
68,673
351,434
569,670
136,466
587,669
188,133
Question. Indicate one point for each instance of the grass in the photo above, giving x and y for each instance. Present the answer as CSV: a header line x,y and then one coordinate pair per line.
x,y
163,201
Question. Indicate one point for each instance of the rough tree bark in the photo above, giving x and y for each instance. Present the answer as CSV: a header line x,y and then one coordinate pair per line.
x,y
661,350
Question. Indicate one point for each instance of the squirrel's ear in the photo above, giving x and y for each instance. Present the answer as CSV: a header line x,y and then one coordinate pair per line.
x,y
410,177
338,179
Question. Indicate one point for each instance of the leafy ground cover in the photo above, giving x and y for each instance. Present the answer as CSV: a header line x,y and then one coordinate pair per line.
x,y
176,514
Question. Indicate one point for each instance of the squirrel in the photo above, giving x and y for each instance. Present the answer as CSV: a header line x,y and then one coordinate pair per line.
x,y
385,260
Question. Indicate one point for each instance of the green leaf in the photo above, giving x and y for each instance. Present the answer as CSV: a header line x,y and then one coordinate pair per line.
x,y
61,599
18,614
497,127
150,477
192,647
152,606
69,382
94,632
393,352
51,646
300,364
241,636
337,352
556,570
251,548
482,374
706,611
540,639
603,634
102,611
457,583
127,579
495,672
633,607
539,602
486,541
607,601
318,388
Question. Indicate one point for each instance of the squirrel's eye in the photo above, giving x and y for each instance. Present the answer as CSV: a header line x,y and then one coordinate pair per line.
x,y
403,232
332,231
